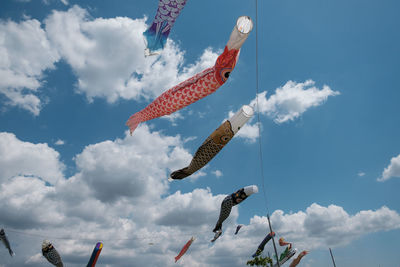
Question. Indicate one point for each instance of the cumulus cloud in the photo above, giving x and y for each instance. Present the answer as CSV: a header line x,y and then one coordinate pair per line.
x,y
24,158
107,56
330,226
25,53
249,132
132,213
119,195
292,100
26,203
127,167
192,209
393,170
288,103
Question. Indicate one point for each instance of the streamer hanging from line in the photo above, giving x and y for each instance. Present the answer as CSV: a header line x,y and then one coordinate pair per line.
x,y
260,248
282,243
156,35
287,256
200,85
215,142
184,249
51,254
228,203
238,228
6,243
95,255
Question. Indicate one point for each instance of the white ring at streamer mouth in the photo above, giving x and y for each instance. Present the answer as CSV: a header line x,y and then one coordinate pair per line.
x,y
247,111
244,24
243,27
240,118
251,189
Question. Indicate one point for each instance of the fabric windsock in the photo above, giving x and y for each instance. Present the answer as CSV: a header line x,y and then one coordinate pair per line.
x,y
5,241
215,142
51,254
260,248
201,84
155,37
232,200
184,249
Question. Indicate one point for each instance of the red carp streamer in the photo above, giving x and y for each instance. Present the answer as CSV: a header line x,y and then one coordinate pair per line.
x,y
184,249
189,91
200,85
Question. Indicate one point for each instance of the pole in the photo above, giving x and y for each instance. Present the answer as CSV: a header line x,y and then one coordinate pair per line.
x,y
273,242
333,260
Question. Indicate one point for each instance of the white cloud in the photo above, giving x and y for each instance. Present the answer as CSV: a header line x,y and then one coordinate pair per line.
x,y
195,208
134,175
288,103
26,203
107,56
217,173
361,174
130,167
330,226
59,142
173,117
249,132
24,158
393,170
292,100
190,138
198,174
137,209
25,53
65,2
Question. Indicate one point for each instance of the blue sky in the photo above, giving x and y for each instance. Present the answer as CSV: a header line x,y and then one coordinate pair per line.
x,y
72,72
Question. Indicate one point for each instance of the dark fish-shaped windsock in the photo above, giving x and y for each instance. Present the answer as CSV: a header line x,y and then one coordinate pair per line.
x,y
4,239
228,203
95,255
156,35
260,248
238,228
215,142
184,249
51,254
288,253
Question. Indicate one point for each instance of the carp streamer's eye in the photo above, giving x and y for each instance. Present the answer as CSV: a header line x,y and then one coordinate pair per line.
x,y
225,73
225,138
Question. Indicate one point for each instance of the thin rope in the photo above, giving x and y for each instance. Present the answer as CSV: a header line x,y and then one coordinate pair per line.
x,y
258,117
259,137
